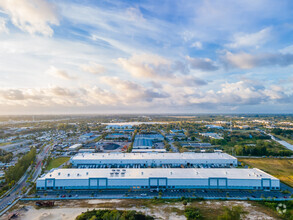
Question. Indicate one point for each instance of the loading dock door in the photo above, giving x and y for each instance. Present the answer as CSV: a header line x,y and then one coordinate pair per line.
x,y
102,183
94,183
222,183
50,182
153,182
158,182
213,183
266,182
162,182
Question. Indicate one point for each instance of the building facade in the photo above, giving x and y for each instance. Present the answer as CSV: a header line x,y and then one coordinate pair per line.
x,y
175,178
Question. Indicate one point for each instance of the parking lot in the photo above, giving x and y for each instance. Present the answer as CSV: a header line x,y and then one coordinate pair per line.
x,y
153,166
173,193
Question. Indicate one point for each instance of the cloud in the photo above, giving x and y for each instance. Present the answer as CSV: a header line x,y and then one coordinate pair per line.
x,y
3,28
146,66
151,66
59,91
197,45
249,61
12,94
62,74
93,68
31,16
203,64
125,94
134,14
242,40
131,92
245,92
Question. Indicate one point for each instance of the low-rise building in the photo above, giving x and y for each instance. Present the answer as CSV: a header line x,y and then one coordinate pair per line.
x,y
79,179
75,147
154,159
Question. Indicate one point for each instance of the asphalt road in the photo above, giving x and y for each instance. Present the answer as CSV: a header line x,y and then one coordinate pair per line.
x,y
16,192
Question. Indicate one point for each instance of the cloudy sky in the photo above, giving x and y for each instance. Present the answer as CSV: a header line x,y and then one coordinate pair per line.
x,y
183,56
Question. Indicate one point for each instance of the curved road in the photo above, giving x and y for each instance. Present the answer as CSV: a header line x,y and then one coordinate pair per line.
x,y
9,200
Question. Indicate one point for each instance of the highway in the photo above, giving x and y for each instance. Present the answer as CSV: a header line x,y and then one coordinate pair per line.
x,y
284,143
15,194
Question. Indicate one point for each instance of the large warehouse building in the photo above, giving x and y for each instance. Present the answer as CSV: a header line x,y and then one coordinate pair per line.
x,y
188,159
158,178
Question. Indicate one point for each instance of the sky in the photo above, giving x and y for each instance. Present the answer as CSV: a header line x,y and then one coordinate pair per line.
x,y
151,56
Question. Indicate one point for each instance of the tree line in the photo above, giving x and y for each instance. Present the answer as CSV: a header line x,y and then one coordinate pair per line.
x,y
113,214
262,148
14,173
5,157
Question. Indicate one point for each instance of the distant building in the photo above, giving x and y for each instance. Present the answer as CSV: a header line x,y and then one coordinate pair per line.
x,y
118,127
212,135
86,150
148,150
214,127
197,145
75,147
154,159
146,141
88,137
142,143
117,136
174,131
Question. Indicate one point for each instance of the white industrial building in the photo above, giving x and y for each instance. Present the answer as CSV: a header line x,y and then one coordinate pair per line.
x,y
156,150
75,147
189,159
158,178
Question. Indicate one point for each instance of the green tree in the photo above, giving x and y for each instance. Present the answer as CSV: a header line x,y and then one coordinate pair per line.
x,y
192,213
233,213
184,203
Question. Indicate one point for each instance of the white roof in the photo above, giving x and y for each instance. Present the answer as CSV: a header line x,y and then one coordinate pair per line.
x,y
151,156
181,173
75,146
148,150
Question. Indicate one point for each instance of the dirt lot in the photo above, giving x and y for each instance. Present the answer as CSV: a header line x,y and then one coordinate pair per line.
x,y
65,210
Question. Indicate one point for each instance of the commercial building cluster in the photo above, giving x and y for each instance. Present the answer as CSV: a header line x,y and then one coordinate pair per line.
x,y
156,171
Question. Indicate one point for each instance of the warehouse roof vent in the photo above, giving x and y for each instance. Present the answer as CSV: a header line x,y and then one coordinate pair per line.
x,y
171,173
78,174
50,175
59,174
87,173
141,173
68,174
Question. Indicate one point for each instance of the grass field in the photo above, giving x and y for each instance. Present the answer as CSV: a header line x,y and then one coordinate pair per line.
x,y
4,144
57,162
284,139
280,168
